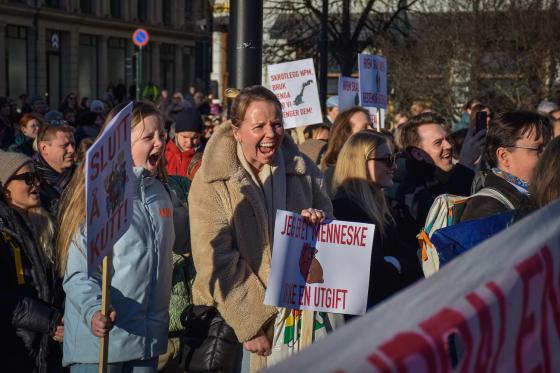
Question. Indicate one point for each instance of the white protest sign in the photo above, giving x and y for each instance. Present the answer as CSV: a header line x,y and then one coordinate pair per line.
x,y
500,301
373,80
109,188
348,92
320,268
377,117
295,85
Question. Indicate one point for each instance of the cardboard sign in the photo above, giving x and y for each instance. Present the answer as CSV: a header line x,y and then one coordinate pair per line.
x,y
295,85
373,80
499,303
320,268
348,92
109,188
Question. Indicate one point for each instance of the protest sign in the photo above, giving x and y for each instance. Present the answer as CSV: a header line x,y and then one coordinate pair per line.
x,y
320,268
295,85
377,117
108,188
348,93
499,304
373,80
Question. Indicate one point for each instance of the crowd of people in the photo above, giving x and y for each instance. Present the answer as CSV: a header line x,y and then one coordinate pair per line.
x,y
206,190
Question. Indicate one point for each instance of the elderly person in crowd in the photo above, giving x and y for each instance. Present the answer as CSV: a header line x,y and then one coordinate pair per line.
x,y
249,171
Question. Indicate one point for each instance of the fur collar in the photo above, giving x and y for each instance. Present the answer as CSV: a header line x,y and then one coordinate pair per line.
x,y
220,156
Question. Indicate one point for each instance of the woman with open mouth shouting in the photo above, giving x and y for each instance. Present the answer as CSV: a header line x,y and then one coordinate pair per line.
x,y
249,170
142,265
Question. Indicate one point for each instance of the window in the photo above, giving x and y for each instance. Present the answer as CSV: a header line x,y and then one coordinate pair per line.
x,y
16,58
142,10
167,66
52,3
116,50
116,9
166,12
87,76
86,6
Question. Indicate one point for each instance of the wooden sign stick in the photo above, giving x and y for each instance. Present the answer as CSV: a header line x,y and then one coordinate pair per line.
x,y
105,309
307,320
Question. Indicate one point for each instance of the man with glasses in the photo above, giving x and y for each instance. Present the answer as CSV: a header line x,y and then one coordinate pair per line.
x,y
429,168
512,149
55,162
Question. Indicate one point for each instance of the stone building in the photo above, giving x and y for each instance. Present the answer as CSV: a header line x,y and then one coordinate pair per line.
x,y
54,47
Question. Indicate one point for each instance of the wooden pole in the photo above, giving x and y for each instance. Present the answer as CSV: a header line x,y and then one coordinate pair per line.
x,y
105,309
307,320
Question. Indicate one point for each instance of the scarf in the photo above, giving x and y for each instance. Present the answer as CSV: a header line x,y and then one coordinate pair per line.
x,y
521,185
271,182
50,176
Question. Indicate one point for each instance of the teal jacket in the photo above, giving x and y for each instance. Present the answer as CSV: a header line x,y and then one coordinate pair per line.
x,y
141,284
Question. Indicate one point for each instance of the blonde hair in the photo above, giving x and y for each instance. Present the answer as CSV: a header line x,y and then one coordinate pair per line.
x,y
351,176
42,225
72,208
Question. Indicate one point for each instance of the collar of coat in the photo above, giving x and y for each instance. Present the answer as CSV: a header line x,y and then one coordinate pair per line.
x,y
220,156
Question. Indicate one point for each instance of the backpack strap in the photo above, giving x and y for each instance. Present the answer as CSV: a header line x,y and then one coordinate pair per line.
x,y
493,193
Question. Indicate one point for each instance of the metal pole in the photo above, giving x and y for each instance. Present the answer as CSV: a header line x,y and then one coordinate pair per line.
x,y
138,72
245,43
324,53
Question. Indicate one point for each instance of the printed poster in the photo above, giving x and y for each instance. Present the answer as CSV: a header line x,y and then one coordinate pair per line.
x,y
348,92
373,80
109,188
320,268
295,85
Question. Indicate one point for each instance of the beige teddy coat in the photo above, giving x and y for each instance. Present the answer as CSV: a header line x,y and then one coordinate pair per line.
x,y
229,229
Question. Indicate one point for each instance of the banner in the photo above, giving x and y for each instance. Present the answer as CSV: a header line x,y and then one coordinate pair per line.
x,y
497,308
109,188
373,81
320,268
348,92
295,85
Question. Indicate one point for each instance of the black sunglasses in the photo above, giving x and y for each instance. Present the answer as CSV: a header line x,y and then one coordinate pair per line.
x,y
389,160
29,177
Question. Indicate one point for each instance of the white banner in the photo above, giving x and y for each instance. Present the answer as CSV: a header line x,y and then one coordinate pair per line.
x,y
320,268
348,92
499,303
295,85
373,80
109,188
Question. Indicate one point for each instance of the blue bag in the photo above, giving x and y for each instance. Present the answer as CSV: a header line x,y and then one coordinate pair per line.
x,y
452,241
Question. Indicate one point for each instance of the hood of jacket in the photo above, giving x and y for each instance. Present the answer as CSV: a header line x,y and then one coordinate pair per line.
x,y
220,160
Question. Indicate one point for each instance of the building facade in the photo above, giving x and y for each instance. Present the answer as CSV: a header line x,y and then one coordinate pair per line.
x,y
54,47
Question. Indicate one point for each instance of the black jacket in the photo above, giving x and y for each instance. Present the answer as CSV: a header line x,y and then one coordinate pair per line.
x,y
384,280
422,183
31,301
480,207
52,183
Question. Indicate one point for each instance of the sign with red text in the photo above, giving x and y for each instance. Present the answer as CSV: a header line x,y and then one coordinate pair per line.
x,y
295,85
348,92
320,268
373,80
498,304
109,188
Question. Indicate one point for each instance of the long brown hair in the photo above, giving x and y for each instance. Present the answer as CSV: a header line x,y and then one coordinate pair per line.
x,y
72,208
351,175
341,131
545,185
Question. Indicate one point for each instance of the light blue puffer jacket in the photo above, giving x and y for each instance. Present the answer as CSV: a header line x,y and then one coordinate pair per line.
x,y
141,284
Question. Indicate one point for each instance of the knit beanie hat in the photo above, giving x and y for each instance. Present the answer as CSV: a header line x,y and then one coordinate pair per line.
x,y
11,162
97,106
188,119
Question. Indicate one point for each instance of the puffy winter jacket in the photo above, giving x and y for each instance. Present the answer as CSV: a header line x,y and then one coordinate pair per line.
x,y
177,160
31,297
141,284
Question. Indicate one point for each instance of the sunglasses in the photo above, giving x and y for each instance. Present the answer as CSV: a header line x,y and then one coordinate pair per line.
x,y
389,160
30,178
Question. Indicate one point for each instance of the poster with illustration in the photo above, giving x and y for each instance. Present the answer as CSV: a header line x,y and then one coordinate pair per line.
x,y
373,80
295,85
109,188
320,268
